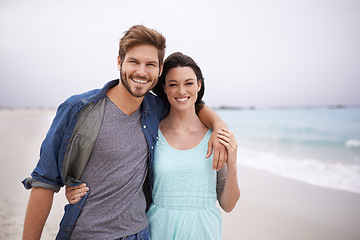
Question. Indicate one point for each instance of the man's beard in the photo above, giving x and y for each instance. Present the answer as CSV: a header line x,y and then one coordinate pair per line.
x,y
125,82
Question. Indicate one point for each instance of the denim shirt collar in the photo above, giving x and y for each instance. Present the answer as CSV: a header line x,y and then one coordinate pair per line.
x,y
145,105
102,93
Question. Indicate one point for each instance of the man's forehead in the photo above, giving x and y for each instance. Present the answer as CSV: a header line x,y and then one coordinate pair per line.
x,y
146,53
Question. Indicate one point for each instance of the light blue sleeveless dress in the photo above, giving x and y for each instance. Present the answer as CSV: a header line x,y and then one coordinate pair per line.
x,y
184,194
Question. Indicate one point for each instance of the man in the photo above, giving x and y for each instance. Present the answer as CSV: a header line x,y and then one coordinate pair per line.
x,y
105,138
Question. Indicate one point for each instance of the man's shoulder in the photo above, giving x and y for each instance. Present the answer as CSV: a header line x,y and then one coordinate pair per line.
x,y
152,99
154,104
78,98
92,95
151,95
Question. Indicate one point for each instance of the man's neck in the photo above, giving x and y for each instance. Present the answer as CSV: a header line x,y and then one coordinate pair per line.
x,y
121,97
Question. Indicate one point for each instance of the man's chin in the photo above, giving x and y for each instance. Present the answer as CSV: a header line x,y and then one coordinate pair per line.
x,y
139,94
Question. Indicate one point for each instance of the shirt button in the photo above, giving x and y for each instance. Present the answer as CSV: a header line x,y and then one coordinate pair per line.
x,y
144,126
152,147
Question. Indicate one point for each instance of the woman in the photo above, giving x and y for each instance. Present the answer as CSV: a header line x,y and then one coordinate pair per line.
x,y
185,187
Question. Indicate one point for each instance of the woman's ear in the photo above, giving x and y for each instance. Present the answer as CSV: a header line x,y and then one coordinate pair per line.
x,y
164,87
199,84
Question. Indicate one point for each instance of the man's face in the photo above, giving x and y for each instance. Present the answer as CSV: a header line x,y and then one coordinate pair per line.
x,y
140,70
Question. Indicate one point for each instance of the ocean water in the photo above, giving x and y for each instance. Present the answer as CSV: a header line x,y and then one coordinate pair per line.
x,y
319,146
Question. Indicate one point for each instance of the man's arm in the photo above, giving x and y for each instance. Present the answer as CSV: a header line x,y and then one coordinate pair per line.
x,y
38,210
231,193
212,120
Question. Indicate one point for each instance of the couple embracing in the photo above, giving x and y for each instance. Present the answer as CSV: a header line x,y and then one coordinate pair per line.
x,y
123,148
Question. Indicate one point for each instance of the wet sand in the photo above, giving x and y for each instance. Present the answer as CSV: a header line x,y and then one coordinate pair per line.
x,y
270,207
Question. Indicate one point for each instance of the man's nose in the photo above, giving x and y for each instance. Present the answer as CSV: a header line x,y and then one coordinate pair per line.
x,y
141,71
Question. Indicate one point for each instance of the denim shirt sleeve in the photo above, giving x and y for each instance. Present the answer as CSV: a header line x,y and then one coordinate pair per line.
x,y
47,173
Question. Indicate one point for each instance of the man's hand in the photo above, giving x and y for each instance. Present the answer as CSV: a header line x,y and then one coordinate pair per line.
x,y
211,120
220,155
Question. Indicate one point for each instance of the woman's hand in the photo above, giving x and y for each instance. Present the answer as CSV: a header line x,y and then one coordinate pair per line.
x,y
74,194
227,139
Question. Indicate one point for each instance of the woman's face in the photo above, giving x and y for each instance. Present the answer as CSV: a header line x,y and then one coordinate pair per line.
x,y
181,87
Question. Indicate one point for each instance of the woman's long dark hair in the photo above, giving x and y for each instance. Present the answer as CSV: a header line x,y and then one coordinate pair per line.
x,y
175,60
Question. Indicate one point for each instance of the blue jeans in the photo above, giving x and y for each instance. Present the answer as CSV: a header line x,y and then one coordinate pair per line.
x,y
142,235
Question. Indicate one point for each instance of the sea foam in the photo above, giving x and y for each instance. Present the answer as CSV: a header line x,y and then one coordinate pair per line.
x,y
353,143
325,174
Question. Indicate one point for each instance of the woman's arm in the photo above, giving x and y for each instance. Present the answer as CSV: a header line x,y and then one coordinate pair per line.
x,y
231,192
212,120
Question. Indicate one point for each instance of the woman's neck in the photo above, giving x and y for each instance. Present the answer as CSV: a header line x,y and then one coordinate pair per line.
x,y
183,130
186,120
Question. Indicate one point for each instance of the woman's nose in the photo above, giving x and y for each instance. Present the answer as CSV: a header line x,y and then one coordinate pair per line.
x,y
182,90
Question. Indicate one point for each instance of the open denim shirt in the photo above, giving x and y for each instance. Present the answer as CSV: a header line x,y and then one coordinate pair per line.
x,y
68,144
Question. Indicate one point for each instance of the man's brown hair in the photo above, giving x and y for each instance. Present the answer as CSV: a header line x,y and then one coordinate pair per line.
x,y
138,35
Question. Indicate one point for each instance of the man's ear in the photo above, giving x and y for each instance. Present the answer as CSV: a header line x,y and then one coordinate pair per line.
x,y
119,63
161,69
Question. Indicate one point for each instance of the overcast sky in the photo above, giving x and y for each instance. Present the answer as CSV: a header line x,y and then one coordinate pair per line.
x,y
252,52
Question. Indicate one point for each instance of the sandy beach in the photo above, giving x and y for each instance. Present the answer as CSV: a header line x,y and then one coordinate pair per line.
x,y
270,207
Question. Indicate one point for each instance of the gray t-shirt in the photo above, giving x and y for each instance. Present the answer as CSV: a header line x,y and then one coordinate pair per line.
x,y
115,174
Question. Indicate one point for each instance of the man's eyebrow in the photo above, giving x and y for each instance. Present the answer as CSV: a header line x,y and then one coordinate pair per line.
x,y
132,58
149,62
153,62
